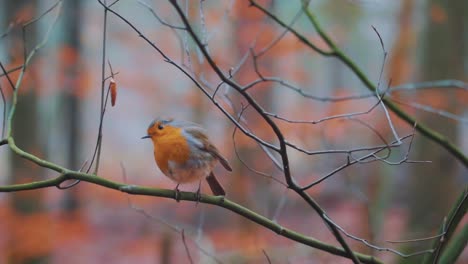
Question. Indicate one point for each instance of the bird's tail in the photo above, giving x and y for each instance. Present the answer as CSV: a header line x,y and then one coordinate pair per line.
x,y
215,186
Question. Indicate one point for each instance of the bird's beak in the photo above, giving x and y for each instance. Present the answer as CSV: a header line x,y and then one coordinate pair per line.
x,y
147,136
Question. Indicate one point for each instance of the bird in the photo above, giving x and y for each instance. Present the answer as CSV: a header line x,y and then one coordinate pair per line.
x,y
184,153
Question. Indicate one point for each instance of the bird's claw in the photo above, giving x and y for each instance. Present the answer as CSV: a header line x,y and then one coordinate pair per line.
x,y
198,194
177,193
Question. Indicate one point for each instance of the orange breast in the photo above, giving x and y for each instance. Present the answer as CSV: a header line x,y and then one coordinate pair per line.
x,y
170,147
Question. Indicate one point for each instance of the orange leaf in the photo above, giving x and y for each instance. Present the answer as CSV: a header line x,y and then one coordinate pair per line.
x,y
113,91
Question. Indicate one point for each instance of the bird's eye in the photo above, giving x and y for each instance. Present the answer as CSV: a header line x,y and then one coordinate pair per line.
x,y
160,126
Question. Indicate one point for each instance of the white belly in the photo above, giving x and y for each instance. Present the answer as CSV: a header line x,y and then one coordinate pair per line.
x,y
189,172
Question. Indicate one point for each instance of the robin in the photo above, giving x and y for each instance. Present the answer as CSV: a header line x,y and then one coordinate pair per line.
x,y
184,153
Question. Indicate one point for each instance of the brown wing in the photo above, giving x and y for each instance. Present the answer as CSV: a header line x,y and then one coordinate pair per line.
x,y
207,146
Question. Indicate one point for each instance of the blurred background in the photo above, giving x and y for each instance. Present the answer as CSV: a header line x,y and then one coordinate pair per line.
x,y
58,118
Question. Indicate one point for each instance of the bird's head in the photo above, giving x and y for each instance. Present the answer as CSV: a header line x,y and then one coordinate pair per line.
x,y
160,127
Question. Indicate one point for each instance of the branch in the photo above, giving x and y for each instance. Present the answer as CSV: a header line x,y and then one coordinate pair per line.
x,y
97,150
336,52
455,247
170,61
348,115
432,85
445,84
5,73
283,147
190,196
432,110
4,112
162,21
367,243
302,38
455,216
353,161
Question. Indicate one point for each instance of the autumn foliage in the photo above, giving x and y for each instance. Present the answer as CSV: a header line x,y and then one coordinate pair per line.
x,y
270,90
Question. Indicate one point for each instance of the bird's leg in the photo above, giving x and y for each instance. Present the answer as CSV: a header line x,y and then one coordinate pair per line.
x,y
198,193
177,193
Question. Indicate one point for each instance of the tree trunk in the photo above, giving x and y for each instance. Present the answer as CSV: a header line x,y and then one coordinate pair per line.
x,y
26,205
70,70
434,187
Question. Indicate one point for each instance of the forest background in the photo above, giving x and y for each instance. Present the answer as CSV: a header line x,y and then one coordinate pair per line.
x,y
414,52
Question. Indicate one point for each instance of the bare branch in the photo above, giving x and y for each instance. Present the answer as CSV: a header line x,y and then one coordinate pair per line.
x,y
350,162
377,89
266,256
278,39
7,31
337,53
4,114
365,242
5,73
162,21
290,29
449,225
430,109
186,196
103,107
415,239
431,85
165,223
263,174
187,251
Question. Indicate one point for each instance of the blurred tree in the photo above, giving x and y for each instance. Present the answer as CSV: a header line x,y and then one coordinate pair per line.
x,y
26,205
167,245
69,74
253,192
431,189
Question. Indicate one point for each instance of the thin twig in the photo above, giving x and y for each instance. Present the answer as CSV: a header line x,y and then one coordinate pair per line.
x,y
19,80
457,84
449,225
263,174
7,31
168,60
415,239
203,30
187,251
365,242
4,114
6,73
328,118
113,3
162,21
34,20
430,109
266,256
280,206
278,39
337,53
377,88
75,182
165,223
97,150
283,148
185,196
255,63
445,84
290,29
350,162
